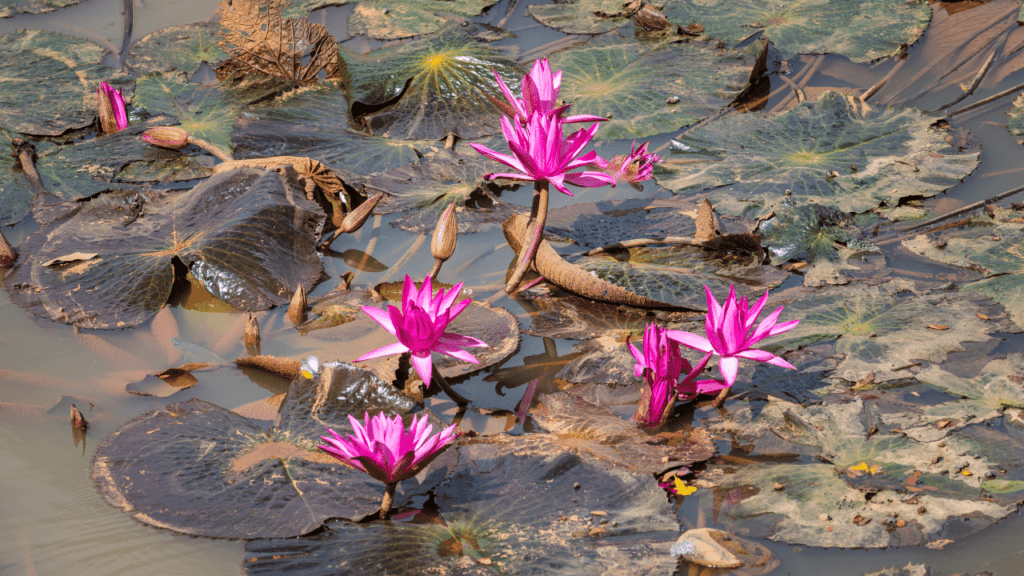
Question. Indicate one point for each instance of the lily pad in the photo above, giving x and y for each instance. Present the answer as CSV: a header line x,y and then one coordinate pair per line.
x,y
197,468
66,100
10,8
994,246
248,235
879,155
861,31
314,122
206,113
393,19
508,509
178,48
596,224
629,82
578,16
429,88
881,331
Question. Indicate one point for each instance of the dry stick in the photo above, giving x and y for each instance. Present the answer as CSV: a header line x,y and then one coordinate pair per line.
x,y
645,242
417,243
991,98
881,83
509,11
977,79
534,233
804,79
901,234
966,58
800,95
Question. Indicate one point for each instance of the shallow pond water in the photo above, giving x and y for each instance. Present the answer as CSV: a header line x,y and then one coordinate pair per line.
x,y
53,521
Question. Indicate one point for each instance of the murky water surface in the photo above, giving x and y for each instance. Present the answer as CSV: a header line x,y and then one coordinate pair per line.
x,y
52,520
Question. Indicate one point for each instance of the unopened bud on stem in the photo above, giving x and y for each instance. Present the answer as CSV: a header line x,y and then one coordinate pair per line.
x,y
356,218
442,245
112,112
170,137
297,308
251,337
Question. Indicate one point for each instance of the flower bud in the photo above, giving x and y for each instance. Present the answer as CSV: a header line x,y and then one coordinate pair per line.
x,y
170,137
442,245
251,337
356,218
297,307
112,112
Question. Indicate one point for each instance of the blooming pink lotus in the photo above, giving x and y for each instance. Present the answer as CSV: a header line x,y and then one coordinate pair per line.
x,y
636,166
731,333
540,154
112,108
384,450
540,96
420,327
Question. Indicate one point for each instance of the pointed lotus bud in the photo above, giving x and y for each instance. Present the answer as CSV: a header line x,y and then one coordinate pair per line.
x,y
170,137
113,116
77,419
442,245
7,254
297,309
356,218
251,337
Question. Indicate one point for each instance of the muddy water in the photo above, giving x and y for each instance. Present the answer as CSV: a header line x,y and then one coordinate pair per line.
x,y
52,521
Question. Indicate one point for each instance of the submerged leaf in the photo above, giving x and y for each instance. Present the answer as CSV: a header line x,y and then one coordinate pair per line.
x,y
580,16
393,19
896,153
429,88
596,224
196,468
247,235
178,48
629,82
861,31
10,8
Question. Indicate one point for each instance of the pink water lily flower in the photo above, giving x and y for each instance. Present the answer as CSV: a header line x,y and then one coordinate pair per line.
x,y
731,334
420,327
660,365
540,153
385,450
540,96
112,108
636,166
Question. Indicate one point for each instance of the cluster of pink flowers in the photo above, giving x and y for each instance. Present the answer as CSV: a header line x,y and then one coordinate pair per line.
x,y
731,335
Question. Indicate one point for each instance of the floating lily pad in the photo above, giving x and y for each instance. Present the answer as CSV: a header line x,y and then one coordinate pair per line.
x,y
313,122
440,83
205,113
180,48
424,190
197,468
578,16
10,8
996,247
895,152
66,100
629,82
881,331
247,235
861,31
596,224
393,19
508,509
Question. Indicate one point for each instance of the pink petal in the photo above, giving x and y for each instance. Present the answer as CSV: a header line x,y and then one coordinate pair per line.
x,y
784,327
395,348
690,340
423,365
503,158
382,317
589,179
729,366
457,353
460,340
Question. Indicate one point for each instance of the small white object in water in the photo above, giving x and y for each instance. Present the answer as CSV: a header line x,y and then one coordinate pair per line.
x,y
310,367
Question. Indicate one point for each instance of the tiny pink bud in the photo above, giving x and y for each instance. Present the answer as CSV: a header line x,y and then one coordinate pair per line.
x,y
170,137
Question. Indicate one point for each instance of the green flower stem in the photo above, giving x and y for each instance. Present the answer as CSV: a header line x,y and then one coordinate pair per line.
x,y
534,232
389,499
212,149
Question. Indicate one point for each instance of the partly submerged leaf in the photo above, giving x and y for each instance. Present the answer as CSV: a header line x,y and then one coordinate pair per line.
x,y
261,40
861,31
580,16
629,82
314,122
206,113
880,155
393,19
878,330
197,468
178,48
597,224
247,235
50,82
505,508
441,84
10,8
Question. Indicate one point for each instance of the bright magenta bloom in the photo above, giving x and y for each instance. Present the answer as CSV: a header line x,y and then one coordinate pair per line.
x,y
106,93
660,365
420,327
729,333
384,450
540,96
637,166
540,153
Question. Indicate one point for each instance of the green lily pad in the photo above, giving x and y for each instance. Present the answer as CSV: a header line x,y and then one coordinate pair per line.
x,y
197,468
629,82
861,31
247,235
596,224
66,100
509,508
1002,486
578,16
996,247
393,19
10,8
178,48
313,122
206,113
895,151
441,84
880,331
